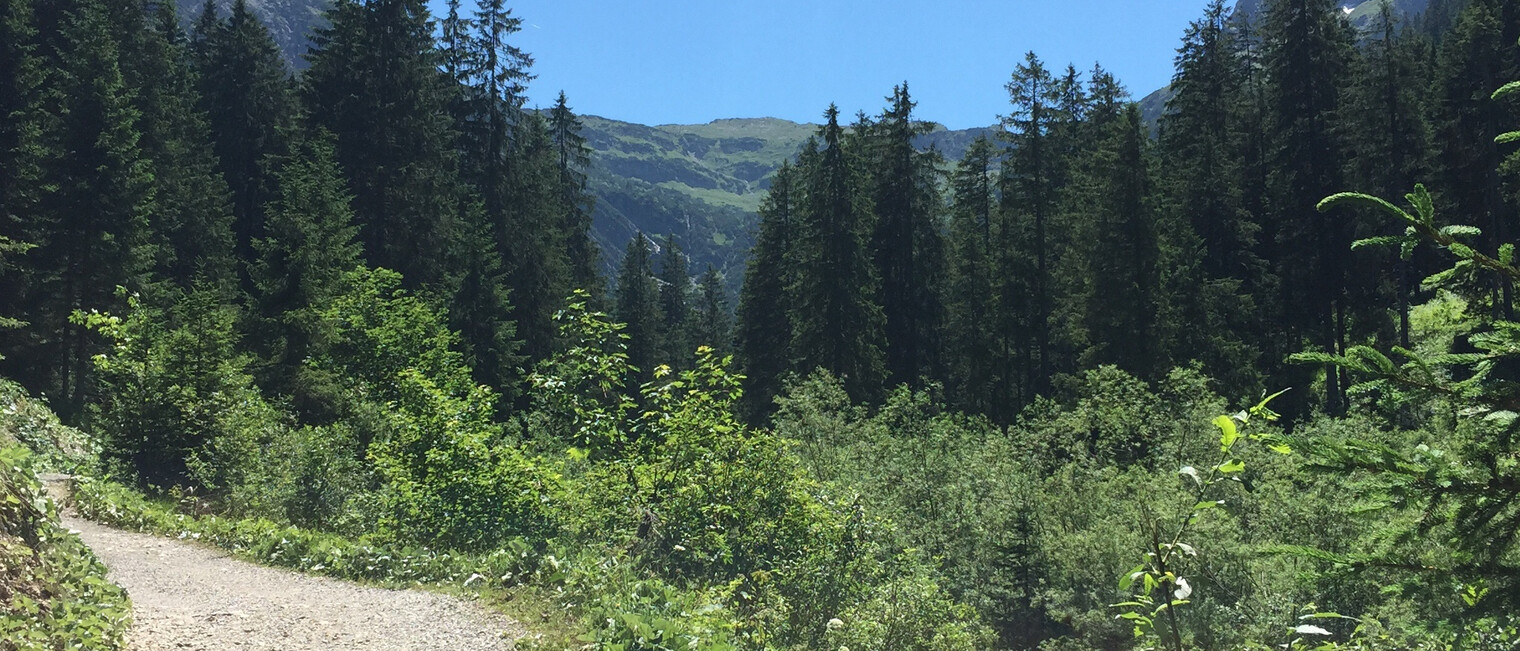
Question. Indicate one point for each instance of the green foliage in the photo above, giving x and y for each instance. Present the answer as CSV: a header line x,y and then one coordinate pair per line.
x,y
171,383
54,446
54,591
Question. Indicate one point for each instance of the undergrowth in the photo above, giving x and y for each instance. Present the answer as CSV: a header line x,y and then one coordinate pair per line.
x,y
54,591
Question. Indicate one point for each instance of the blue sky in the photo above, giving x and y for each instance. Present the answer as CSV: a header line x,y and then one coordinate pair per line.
x,y
692,61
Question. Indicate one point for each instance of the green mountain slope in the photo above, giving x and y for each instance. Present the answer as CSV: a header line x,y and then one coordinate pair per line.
x,y
702,183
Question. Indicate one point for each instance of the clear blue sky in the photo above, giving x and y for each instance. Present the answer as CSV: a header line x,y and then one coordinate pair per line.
x,y
692,61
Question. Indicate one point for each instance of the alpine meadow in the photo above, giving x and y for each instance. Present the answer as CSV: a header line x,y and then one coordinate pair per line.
x,y
313,284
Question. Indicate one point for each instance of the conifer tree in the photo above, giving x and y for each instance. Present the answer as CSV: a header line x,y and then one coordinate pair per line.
x,y
375,84
192,224
971,301
246,94
1032,181
908,246
91,224
675,307
309,244
1477,56
837,320
1119,250
575,199
713,323
1390,141
1308,46
638,307
23,78
764,329
1214,272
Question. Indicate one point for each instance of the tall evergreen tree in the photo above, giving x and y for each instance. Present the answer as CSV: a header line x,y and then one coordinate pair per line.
x,y
1477,56
1390,141
192,224
309,244
1308,45
573,155
713,323
908,246
375,83
764,329
675,307
638,307
23,80
91,224
1214,271
246,93
1119,251
971,299
837,320
1031,194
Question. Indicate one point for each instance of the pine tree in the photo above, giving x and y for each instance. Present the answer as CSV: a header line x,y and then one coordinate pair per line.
x,y
971,300
1308,46
1032,179
575,199
675,307
90,225
908,247
713,324
837,321
638,307
764,329
375,83
309,245
192,225
246,94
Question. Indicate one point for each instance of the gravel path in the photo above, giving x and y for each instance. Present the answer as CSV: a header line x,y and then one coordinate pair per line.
x,y
187,596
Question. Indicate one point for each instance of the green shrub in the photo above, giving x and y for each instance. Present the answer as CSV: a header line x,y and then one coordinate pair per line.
x,y
54,592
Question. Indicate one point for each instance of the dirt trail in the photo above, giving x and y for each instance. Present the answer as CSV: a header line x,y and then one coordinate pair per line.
x,y
188,596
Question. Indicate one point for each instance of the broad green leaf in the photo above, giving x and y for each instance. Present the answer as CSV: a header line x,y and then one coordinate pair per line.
x,y
1233,466
1129,578
1229,433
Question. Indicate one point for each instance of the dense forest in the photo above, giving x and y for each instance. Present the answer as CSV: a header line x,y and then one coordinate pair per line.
x,y
1099,384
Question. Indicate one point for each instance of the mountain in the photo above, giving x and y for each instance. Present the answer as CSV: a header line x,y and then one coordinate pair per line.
x,y
702,183
291,22
1361,12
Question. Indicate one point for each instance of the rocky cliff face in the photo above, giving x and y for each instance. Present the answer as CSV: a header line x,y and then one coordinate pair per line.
x,y
291,22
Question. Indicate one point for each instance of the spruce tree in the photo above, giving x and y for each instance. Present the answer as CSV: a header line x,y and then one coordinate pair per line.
x,y
246,94
1033,176
907,243
1118,251
713,323
573,155
23,79
1390,142
1307,47
1477,56
837,320
90,226
309,244
638,308
971,301
192,225
764,329
375,84
675,307
1214,271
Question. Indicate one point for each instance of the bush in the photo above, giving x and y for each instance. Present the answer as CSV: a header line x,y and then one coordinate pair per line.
x,y
54,591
